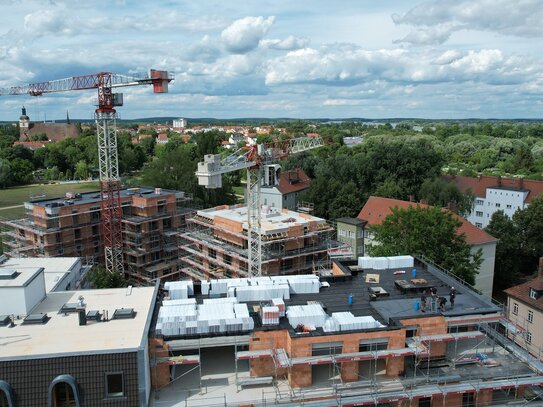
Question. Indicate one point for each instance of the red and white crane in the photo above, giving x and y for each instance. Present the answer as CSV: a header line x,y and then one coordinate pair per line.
x,y
105,117
254,159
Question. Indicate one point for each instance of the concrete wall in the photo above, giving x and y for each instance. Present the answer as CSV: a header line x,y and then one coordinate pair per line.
x,y
484,280
535,328
21,300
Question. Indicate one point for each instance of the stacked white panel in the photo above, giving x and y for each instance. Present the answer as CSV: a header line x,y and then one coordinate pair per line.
x,y
346,321
185,301
380,263
205,287
179,289
365,262
312,315
262,293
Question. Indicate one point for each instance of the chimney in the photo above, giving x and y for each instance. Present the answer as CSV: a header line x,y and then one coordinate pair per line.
x,y
479,177
499,178
411,198
81,311
521,183
540,268
451,206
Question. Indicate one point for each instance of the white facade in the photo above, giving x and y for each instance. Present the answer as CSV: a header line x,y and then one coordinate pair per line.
x,y
484,280
530,321
507,200
179,123
19,295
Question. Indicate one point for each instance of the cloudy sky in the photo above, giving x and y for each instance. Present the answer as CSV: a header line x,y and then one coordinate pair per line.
x,y
348,58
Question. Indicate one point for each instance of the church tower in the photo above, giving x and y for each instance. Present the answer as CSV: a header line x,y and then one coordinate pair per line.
x,y
24,120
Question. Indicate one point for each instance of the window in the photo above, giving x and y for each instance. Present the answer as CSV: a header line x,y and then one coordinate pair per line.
x,y
528,337
479,202
533,294
114,385
531,317
351,234
212,253
479,225
508,206
515,308
478,213
497,205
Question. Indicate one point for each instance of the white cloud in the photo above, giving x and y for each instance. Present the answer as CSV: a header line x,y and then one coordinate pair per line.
x,y
244,35
288,44
435,21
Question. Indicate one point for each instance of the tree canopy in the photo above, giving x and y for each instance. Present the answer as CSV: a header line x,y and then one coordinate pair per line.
x,y
429,231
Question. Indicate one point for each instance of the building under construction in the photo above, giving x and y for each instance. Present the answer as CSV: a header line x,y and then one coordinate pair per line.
x,y
292,242
357,335
70,226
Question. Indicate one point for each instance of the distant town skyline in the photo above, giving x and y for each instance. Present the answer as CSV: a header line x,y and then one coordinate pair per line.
x,y
359,58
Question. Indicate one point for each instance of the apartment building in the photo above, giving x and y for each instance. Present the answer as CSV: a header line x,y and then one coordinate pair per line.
x,y
525,310
282,189
292,242
70,226
355,336
493,194
351,232
377,209
77,348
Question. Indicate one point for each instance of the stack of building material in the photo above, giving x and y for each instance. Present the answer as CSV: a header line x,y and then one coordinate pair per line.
x,y
346,321
205,284
261,293
179,289
380,263
280,304
304,284
401,262
365,262
216,315
310,315
269,315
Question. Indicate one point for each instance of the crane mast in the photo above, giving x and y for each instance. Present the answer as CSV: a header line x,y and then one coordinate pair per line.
x,y
253,159
106,131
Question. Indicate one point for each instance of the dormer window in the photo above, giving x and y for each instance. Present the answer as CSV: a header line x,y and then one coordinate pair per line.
x,y
533,294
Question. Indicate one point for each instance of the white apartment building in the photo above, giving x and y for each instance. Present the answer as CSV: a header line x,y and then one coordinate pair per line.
x,y
496,193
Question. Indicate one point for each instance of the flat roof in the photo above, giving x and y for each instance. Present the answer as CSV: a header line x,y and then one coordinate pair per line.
x,y
385,309
49,264
62,335
273,220
23,276
55,268
94,196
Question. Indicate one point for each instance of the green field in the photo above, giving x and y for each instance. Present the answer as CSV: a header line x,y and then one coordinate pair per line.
x,y
11,197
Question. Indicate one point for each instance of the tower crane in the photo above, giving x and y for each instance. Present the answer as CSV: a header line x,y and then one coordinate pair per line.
x,y
106,118
254,159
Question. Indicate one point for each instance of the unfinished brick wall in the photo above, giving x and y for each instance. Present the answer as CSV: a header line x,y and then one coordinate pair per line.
x,y
434,325
301,375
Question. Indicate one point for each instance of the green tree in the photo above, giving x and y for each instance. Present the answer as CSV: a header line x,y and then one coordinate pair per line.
x,y
508,253
81,170
22,171
441,193
6,177
428,231
99,277
529,222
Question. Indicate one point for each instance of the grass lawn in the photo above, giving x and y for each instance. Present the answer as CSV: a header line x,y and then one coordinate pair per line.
x,y
18,195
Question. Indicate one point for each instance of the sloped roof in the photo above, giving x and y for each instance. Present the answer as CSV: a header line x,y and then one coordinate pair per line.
x,y
53,131
479,185
293,181
377,209
522,292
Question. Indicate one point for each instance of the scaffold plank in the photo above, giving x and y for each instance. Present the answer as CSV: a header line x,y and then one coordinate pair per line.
x,y
281,358
254,354
179,360
451,336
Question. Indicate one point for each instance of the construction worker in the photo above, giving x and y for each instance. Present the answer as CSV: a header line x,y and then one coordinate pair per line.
x,y
423,301
442,302
452,296
433,300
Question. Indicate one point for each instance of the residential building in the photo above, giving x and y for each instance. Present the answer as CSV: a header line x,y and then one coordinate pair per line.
x,y
78,348
282,189
525,310
377,209
292,242
162,139
351,232
60,273
70,226
355,335
179,124
493,194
